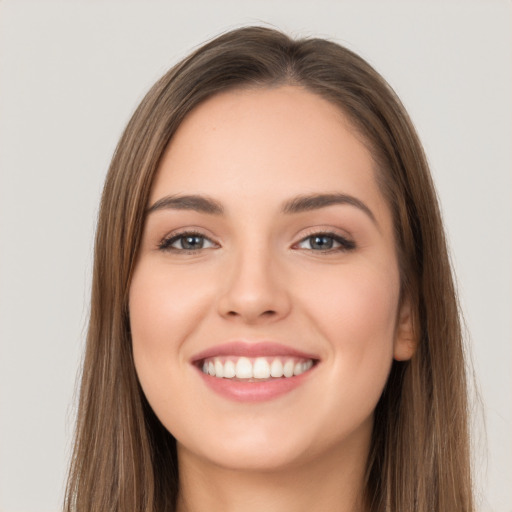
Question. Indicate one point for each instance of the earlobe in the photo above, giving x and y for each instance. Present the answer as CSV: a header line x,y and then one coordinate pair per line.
x,y
405,338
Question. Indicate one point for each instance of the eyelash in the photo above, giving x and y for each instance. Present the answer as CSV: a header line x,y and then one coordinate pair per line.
x,y
167,243
345,244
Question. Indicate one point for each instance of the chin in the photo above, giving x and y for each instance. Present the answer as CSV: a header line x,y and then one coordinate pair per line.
x,y
252,456
273,447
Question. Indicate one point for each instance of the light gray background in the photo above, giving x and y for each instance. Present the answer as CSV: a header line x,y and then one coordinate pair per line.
x,y
71,73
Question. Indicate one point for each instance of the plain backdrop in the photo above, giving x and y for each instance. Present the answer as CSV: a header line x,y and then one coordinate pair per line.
x,y
72,72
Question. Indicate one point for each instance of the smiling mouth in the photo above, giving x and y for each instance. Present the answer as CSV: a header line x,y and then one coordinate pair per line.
x,y
255,369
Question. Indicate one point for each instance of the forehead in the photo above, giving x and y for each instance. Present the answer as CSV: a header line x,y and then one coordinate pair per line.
x,y
245,145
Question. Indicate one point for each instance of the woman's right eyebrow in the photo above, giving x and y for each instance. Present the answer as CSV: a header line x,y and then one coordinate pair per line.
x,y
201,204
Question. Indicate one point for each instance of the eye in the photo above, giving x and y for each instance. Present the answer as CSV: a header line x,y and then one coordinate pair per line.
x,y
186,242
326,242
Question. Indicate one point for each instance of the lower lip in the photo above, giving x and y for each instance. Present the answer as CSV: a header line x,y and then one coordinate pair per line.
x,y
254,391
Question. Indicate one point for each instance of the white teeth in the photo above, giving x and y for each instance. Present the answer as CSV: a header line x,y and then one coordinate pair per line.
x,y
288,369
243,368
229,370
297,369
219,369
257,368
261,368
276,368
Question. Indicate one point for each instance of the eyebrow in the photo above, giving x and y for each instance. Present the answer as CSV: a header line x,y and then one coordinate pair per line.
x,y
316,201
300,204
200,204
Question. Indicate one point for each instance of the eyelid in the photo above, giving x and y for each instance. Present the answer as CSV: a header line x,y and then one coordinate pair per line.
x,y
165,244
346,243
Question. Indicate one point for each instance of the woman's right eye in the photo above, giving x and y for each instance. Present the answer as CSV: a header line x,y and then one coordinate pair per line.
x,y
186,242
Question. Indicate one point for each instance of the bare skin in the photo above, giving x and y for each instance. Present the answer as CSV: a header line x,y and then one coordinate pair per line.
x,y
246,264
332,483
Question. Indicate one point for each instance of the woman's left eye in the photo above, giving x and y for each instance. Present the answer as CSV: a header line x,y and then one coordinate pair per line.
x,y
187,242
326,242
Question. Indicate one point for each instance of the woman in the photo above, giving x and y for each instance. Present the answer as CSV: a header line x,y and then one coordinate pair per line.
x,y
273,321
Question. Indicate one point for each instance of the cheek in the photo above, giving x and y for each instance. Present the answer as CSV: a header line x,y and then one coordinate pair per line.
x,y
356,305
164,308
165,305
355,311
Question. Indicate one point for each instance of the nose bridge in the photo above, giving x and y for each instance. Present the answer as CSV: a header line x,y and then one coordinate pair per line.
x,y
253,289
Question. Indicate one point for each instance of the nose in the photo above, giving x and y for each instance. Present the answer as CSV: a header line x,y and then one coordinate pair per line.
x,y
254,290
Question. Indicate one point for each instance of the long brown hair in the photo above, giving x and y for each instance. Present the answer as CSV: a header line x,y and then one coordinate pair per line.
x,y
124,459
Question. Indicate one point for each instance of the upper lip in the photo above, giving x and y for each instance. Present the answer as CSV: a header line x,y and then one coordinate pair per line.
x,y
252,349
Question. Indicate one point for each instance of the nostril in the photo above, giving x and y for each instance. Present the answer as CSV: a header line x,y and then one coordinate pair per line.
x,y
269,312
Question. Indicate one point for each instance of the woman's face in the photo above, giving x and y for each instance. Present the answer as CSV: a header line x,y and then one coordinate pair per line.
x,y
268,258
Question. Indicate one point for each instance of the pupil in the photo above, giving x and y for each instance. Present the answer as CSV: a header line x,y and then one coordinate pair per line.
x,y
321,242
192,242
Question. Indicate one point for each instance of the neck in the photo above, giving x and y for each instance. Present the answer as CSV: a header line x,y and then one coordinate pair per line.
x,y
334,482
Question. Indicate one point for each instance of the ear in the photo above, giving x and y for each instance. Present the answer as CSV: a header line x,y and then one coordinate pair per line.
x,y
405,339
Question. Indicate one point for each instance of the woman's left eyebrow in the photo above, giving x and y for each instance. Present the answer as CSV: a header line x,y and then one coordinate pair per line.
x,y
316,201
